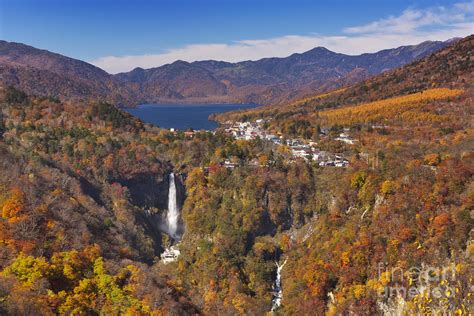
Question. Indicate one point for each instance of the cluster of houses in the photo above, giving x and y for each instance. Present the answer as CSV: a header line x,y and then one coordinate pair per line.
x,y
245,130
300,149
309,152
345,138
188,133
229,164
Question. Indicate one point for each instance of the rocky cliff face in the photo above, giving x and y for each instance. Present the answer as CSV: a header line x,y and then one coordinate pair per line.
x,y
147,190
150,190
151,193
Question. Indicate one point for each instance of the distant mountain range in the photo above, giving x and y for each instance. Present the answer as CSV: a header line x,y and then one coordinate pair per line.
x,y
268,80
450,67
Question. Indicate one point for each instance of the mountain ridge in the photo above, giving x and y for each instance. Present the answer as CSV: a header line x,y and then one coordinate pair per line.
x,y
264,81
448,68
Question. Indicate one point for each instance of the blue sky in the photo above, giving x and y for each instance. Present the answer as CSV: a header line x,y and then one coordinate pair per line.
x,y
119,35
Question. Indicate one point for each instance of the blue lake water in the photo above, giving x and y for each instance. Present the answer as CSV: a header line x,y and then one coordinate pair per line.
x,y
183,116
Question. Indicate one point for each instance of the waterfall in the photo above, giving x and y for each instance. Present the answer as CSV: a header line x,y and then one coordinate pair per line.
x,y
277,289
172,216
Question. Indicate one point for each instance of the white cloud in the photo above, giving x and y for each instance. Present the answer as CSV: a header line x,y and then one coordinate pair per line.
x,y
467,7
412,20
411,27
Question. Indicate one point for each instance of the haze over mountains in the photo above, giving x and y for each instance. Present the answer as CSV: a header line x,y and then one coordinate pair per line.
x,y
269,80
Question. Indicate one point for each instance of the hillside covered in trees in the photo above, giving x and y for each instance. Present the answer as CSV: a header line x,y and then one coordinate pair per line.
x,y
268,80
79,182
394,206
83,187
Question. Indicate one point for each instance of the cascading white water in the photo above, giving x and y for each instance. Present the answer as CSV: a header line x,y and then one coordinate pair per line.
x,y
173,212
277,289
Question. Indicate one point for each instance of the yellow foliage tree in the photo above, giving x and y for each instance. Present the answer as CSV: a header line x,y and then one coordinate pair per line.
x,y
13,206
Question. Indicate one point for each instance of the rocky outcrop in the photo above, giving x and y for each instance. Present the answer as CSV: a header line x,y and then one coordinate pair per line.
x,y
147,190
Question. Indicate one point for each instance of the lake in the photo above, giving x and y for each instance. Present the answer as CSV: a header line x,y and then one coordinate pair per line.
x,y
183,116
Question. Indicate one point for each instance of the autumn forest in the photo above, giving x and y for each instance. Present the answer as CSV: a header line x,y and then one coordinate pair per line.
x,y
357,199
